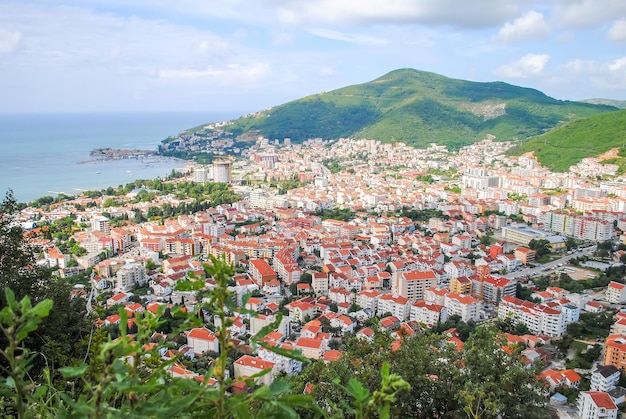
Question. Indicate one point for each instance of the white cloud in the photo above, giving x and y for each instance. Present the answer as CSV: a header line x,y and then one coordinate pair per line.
x,y
348,37
232,73
327,71
527,66
581,66
461,14
618,65
9,41
607,76
618,31
475,14
530,26
588,13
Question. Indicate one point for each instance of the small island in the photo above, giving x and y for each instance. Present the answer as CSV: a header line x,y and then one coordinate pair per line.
x,y
116,154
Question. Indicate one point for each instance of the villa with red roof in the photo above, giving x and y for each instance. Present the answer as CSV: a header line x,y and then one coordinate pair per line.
x,y
202,340
564,378
312,348
247,366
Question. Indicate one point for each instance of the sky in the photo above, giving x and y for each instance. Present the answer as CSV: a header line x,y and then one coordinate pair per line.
x,y
248,55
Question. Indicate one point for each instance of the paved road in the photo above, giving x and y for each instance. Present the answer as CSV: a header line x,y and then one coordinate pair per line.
x,y
550,266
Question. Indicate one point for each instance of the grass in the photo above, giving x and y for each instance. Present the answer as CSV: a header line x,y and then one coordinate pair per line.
x,y
568,145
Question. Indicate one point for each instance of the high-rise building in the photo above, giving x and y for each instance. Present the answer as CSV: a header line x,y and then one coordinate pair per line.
x,y
222,171
200,175
101,223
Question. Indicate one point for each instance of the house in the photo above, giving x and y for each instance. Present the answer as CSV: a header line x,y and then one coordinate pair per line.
x,y
368,299
262,272
299,310
343,322
283,363
464,306
201,340
119,298
525,255
332,356
596,405
564,378
389,323
312,348
366,333
247,366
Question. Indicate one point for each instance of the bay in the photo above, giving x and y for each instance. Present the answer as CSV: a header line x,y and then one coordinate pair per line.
x,y
47,154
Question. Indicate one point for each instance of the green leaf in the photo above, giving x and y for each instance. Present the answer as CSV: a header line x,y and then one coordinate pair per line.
x,y
72,372
42,309
10,297
40,392
357,390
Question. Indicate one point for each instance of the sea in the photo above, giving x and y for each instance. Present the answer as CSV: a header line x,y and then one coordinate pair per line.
x,y
48,154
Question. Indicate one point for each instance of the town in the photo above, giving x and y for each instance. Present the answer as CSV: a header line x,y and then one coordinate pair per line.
x,y
356,237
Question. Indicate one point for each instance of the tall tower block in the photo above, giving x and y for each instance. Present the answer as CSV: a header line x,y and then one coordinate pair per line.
x,y
222,170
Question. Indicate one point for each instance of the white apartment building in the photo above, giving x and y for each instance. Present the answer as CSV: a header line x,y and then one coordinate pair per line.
x,y
596,405
539,318
129,275
461,305
428,313
413,284
616,292
398,306
368,299
605,378
101,223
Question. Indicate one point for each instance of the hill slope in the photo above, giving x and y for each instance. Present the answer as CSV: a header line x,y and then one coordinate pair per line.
x,y
418,108
621,104
567,145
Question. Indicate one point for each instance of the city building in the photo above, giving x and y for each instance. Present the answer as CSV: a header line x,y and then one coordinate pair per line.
x,y
596,405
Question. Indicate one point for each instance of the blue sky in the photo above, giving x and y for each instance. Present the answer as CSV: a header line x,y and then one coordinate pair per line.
x,y
246,55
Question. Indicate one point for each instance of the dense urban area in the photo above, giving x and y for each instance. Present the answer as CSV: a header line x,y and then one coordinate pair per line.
x,y
369,276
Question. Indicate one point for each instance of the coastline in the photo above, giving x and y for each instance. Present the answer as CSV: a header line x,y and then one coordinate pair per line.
x,y
41,153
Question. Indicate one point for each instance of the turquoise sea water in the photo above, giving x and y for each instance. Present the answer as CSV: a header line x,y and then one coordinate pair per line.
x,y
44,154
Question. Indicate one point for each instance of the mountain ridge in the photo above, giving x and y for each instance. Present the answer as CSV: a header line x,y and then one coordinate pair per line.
x,y
418,108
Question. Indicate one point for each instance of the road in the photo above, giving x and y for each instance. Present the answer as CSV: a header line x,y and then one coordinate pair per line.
x,y
549,266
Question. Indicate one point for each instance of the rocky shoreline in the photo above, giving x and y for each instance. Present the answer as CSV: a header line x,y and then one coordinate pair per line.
x,y
117,154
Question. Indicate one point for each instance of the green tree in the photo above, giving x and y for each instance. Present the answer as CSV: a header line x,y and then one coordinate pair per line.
x,y
541,246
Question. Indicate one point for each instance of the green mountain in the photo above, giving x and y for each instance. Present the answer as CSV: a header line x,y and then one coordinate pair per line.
x,y
418,108
589,137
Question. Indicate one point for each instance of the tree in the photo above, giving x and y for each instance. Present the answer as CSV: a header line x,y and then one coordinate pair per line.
x,y
306,278
496,384
20,272
541,246
18,269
